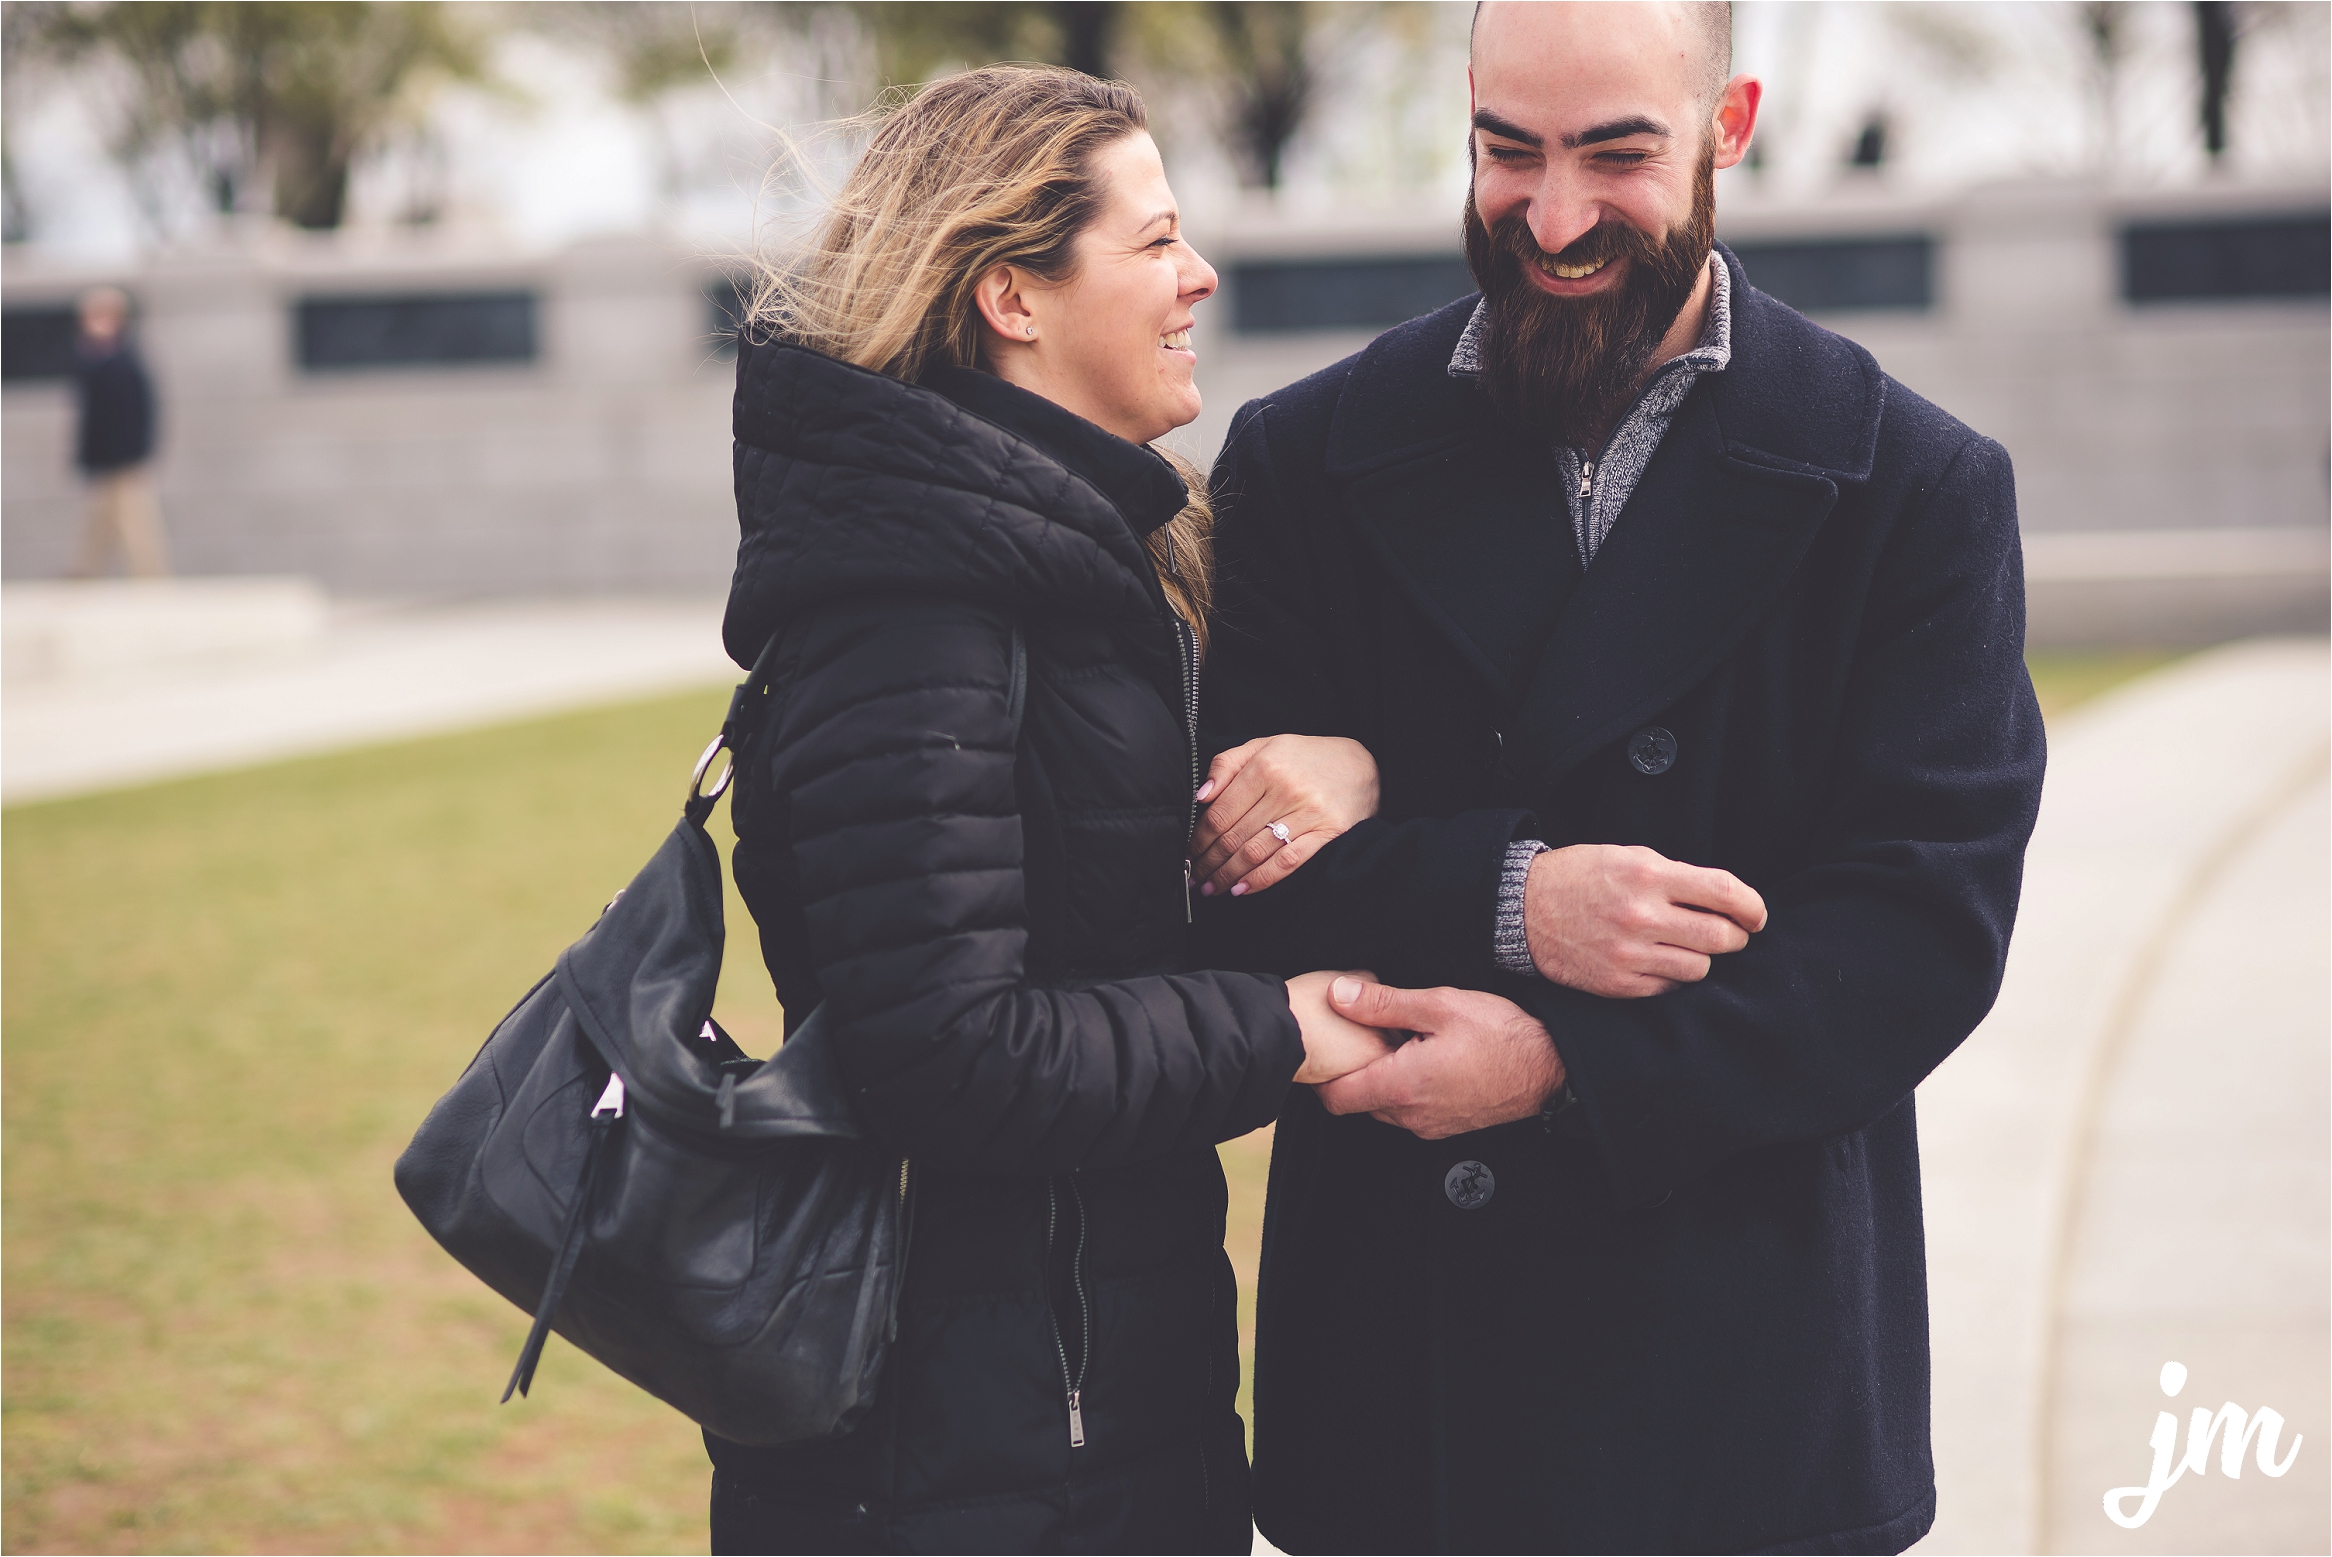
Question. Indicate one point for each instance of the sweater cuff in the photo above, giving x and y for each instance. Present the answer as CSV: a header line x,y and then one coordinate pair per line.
x,y
1509,940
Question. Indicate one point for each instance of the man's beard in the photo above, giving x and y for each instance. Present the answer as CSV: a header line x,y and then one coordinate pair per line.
x,y
1570,365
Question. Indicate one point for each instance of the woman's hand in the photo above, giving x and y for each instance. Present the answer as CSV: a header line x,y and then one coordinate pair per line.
x,y
1334,1044
1314,786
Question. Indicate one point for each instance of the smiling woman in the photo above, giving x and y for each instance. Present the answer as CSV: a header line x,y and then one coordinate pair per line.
x,y
965,835
1112,343
1018,222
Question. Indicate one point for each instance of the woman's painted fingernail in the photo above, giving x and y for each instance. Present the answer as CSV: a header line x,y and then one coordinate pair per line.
x,y
1205,789
1206,889
1240,890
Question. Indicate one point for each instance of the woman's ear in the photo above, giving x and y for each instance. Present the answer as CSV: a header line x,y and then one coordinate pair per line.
x,y
1003,297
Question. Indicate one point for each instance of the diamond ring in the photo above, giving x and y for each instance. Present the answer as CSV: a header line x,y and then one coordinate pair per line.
x,y
1279,830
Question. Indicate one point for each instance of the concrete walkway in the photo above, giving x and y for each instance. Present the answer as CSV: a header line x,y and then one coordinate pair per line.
x,y
2127,1165
206,701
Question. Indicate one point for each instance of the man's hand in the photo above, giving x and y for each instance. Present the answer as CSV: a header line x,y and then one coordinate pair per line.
x,y
1315,786
1625,922
1477,1060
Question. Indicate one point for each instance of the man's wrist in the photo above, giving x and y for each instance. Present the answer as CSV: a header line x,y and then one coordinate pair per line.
x,y
1509,934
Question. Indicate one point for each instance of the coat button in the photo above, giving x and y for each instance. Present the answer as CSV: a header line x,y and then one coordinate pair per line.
x,y
1652,750
1469,1185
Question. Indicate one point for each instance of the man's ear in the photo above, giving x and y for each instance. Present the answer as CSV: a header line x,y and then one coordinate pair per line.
x,y
1002,296
1736,118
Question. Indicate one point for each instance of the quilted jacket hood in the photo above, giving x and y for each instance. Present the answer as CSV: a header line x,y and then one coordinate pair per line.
x,y
850,482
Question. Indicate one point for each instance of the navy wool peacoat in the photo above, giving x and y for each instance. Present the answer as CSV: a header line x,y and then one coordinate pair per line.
x,y
1690,1314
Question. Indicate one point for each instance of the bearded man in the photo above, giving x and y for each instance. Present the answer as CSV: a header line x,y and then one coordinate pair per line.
x,y
1688,648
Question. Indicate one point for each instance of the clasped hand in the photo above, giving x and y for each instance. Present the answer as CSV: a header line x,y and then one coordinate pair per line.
x,y
1616,922
1474,1060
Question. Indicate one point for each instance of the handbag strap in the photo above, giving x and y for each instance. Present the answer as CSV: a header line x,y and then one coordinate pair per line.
x,y
749,710
748,707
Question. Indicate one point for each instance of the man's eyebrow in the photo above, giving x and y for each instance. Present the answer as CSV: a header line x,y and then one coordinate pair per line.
x,y
1617,129
1484,119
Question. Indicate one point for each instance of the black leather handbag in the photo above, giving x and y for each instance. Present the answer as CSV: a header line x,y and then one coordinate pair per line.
x,y
714,1228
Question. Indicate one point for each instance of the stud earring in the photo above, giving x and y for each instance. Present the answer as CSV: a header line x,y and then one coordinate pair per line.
x,y
1030,332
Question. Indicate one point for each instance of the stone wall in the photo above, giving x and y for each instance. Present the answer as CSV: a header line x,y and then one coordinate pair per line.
x,y
603,464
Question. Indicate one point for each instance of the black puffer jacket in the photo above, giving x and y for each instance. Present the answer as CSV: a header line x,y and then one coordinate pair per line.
x,y
999,929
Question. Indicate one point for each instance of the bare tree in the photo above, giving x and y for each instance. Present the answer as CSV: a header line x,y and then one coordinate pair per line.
x,y
2106,26
913,41
1266,46
2214,29
24,26
280,98
1260,61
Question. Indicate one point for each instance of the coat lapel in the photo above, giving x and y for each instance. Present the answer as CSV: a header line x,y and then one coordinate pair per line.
x,y
1480,542
1749,471
1469,528
1705,544
1750,468
1710,537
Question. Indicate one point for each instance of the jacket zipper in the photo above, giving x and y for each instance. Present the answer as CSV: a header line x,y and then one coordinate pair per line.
x,y
1186,647
1072,1383
1585,525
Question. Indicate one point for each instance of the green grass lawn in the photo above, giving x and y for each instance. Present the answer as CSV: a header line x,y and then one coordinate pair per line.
x,y
228,1001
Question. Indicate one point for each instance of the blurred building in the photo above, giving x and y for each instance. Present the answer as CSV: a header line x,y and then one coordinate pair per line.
x,y
394,417
2154,361
412,417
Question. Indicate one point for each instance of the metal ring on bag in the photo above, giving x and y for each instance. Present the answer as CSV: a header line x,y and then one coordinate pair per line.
x,y
705,762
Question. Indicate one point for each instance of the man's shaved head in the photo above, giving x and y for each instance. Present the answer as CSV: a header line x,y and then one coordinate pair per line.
x,y
1711,22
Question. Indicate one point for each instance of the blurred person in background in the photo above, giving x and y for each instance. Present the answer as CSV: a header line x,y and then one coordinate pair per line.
x,y
114,444
965,838
1689,646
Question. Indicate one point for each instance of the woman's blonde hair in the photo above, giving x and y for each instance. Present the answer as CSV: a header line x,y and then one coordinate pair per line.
x,y
991,167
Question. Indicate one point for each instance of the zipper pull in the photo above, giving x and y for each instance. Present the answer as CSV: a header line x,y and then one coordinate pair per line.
x,y
1186,919
1076,1419
1586,480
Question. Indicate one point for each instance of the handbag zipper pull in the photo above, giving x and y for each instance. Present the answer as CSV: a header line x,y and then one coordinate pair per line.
x,y
1076,1419
605,1115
